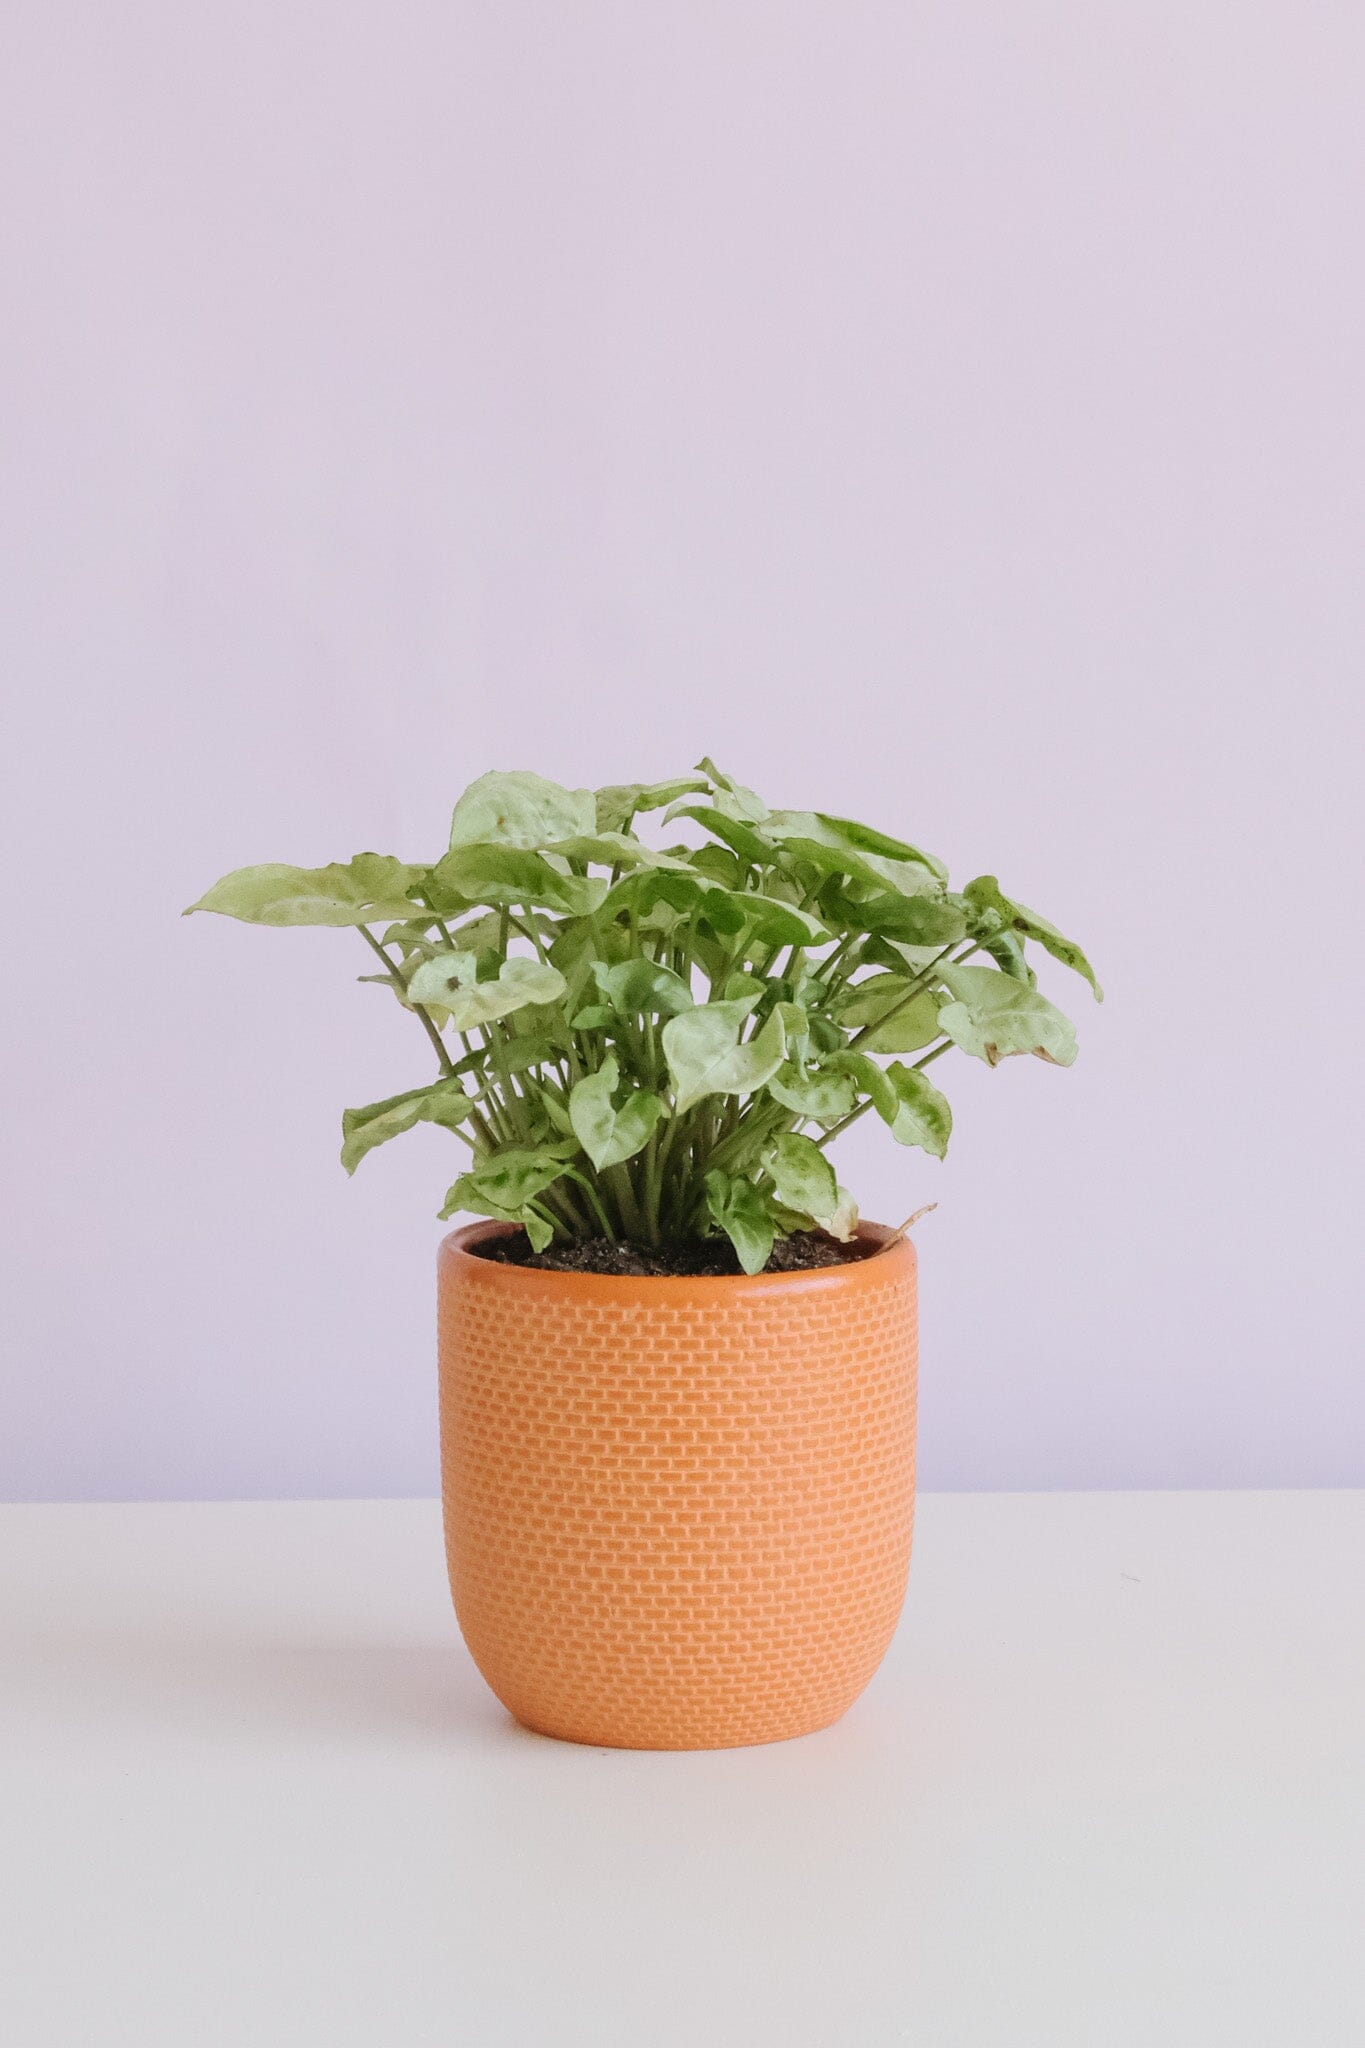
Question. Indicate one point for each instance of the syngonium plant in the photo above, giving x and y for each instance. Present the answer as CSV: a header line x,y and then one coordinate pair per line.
x,y
659,1044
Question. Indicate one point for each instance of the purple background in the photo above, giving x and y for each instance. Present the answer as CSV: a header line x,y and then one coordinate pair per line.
x,y
950,416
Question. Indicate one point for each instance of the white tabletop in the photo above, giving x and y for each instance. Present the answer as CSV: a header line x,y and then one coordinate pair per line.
x,y
1108,1788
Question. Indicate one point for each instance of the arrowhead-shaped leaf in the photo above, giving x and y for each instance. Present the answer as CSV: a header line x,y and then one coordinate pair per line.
x,y
985,894
918,1113
734,797
609,1135
444,1102
366,890
825,846
993,1015
868,1078
512,875
901,1021
447,980
823,1095
622,801
503,1185
521,810
803,1177
706,1056
931,921
739,1209
737,832
639,987
867,841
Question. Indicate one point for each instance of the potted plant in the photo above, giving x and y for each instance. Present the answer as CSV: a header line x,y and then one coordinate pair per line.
x,y
677,1374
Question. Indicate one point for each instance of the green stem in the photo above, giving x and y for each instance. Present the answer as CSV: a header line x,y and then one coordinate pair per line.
x,y
528,931
843,1124
762,1120
632,1222
592,1195
937,1053
447,1064
439,922
652,1186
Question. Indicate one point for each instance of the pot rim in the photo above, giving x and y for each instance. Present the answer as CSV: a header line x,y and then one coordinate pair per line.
x,y
892,1253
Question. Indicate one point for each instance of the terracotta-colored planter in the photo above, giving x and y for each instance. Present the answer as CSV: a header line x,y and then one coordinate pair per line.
x,y
677,1511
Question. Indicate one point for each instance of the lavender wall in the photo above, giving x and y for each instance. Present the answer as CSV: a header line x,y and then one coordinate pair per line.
x,y
948,415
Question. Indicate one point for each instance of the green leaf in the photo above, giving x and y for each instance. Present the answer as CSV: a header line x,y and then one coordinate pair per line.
x,y
365,890
843,1224
771,922
507,874
802,1176
705,1055
641,892
737,799
557,1121
868,1078
485,933
822,845
919,1114
720,865
506,1182
868,841
736,832
985,894
909,1030
796,1023
521,810
993,1015
1007,950
637,987
878,1002
738,1208
505,1185
537,1227
448,980
595,1017
728,911
741,984
609,1135
916,958
543,1021
621,801
576,946
444,1102
826,1097
520,1053
617,850
410,935
931,921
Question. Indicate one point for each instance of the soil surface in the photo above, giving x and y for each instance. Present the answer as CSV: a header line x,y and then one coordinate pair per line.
x,y
710,1256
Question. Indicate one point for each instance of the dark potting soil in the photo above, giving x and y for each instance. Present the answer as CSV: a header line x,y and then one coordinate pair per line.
x,y
711,1256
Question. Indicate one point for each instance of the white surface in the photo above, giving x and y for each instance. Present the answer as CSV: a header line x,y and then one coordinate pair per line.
x,y
1107,1789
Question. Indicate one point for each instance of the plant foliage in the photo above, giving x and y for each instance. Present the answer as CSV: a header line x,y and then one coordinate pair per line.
x,y
657,1043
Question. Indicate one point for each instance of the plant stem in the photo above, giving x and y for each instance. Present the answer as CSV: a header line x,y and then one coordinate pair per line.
x,y
528,931
447,1064
582,1180
937,1053
843,1124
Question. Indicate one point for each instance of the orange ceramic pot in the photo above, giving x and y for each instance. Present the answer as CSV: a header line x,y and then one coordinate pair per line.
x,y
677,1511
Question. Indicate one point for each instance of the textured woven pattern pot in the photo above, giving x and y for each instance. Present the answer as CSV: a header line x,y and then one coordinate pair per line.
x,y
677,1511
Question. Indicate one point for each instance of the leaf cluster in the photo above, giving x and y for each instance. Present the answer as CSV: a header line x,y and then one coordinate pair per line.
x,y
661,1042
